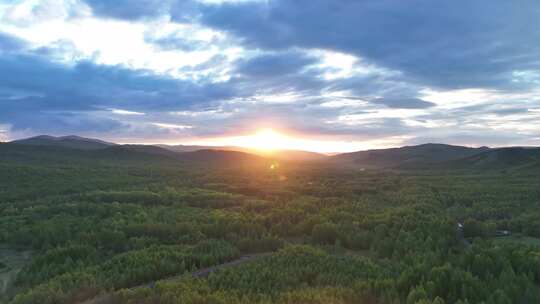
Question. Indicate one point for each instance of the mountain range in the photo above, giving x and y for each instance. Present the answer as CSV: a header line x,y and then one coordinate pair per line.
x,y
425,156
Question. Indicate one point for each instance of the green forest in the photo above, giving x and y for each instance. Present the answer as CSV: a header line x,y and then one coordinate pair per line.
x,y
86,230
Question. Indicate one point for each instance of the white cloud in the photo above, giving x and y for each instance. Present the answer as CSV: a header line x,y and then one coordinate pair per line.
x,y
452,99
125,112
341,66
526,76
374,115
4,132
337,65
171,126
430,123
16,94
209,114
287,97
230,1
343,99
344,103
31,12
112,42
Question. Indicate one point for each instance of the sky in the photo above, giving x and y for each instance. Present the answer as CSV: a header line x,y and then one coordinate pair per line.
x,y
320,75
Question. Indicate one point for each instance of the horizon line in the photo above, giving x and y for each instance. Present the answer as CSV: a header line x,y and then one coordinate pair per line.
x,y
217,146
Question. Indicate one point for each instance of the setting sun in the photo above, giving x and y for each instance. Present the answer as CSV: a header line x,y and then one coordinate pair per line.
x,y
266,139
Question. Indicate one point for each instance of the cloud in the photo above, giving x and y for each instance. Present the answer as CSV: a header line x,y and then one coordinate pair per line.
x,y
275,64
178,43
51,97
171,126
292,73
180,10
27,12
404,103
9,43
126,112
454,44
87,86
184,37
60,123
510,111
129,9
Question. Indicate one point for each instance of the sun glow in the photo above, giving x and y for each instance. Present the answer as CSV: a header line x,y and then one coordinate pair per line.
x,y
269,141
265,140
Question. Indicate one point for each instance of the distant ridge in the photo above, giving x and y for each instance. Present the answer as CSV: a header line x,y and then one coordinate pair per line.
x,y
71,141
408,156
293,155
119,151
74,148
500,159
213,155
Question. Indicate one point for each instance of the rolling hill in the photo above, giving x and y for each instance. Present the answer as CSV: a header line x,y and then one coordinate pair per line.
x,y
284,155
406,157
72,141
516,158
42,151
219,156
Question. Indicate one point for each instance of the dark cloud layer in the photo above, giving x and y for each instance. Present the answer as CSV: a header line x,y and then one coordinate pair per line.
x,y
279,73
453,44
9,43
128,9
179,10
449,44
275,65
88,86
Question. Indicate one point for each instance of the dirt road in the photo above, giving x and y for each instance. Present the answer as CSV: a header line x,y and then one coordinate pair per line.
x,y
201,273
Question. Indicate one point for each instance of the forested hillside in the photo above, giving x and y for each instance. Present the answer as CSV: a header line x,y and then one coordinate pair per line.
x,y
101,230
